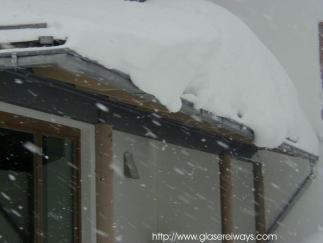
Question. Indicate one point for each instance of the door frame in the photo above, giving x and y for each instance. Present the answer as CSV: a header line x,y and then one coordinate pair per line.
x,y
87,201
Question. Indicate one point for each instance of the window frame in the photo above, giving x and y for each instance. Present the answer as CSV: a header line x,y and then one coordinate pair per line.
x,y
40,129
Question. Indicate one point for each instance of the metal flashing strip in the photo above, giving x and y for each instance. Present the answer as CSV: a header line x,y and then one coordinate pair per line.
x,y
293,151
24,59
24,26
238,128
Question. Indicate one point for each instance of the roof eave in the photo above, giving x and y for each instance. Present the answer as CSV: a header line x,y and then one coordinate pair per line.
x,y
70,60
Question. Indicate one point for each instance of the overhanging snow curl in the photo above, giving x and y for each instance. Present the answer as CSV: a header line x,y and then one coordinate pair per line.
x,y
174,50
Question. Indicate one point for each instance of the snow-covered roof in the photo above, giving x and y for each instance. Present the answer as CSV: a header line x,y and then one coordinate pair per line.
x,y
185,49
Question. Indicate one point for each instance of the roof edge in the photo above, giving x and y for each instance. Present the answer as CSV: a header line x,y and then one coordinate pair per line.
x,y
70,60
73,62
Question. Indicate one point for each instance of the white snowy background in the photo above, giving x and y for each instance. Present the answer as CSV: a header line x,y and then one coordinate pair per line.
x,y
199,51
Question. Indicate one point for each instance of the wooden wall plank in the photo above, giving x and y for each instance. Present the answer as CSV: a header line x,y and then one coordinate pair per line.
x,y
259,194
226,195
104,183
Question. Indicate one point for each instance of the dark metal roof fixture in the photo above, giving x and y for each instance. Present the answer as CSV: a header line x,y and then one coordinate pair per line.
x,y
41,41
24,26
129,166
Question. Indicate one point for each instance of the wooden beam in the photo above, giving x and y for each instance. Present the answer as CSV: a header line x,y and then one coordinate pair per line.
x,y
226,195
86,83
104,183
259,194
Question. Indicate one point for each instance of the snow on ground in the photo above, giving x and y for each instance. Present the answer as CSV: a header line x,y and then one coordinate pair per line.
x,y
190,49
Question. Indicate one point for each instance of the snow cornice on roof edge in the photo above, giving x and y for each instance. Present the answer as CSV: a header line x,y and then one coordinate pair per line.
x,y
71,61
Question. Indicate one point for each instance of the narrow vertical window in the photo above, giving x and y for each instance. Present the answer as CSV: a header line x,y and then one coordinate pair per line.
x,y
321,62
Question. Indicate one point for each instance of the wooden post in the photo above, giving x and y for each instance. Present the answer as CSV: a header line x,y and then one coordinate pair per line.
x,y
226,195
259,194
38,191
104,183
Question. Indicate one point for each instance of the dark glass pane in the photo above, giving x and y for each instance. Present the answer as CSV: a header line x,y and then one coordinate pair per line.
x,y
58,190
16,187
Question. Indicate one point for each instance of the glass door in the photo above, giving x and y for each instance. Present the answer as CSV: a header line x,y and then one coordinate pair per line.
x,y
39,181
16,187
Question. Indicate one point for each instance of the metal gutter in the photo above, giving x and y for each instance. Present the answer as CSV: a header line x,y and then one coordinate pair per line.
x,y
289,149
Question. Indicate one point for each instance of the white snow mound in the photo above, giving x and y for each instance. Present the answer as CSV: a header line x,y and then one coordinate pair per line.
x,y
190,49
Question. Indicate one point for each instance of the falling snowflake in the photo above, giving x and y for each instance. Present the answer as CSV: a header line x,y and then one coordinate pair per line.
x,y
33,148
102,107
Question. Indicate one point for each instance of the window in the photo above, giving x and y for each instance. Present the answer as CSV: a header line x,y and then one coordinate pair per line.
x,y
39,181
321,59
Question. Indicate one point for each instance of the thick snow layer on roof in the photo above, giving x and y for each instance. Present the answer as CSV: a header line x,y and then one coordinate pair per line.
x,y
190,49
